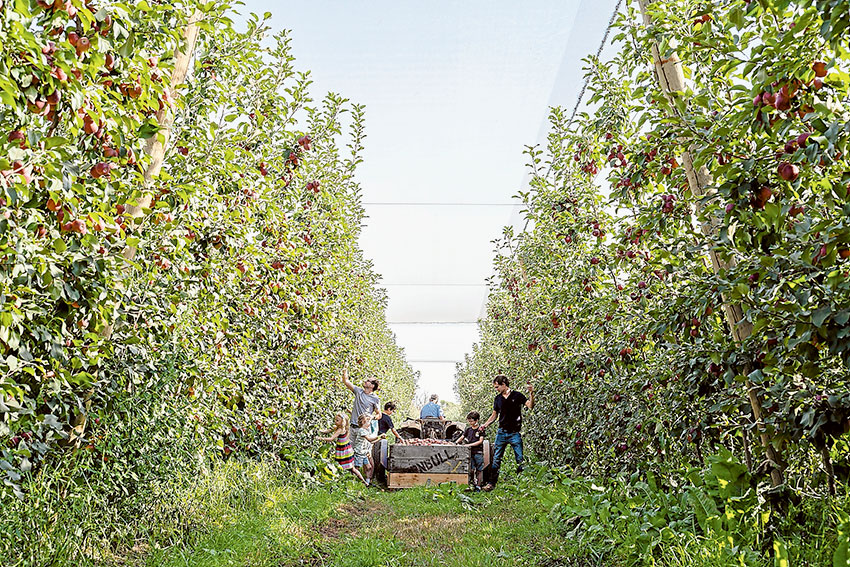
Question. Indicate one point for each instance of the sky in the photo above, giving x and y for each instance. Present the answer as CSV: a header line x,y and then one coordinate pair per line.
x,y
454,91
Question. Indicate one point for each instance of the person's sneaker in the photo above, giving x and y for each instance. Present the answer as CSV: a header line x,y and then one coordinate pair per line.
x,y
476,488
487,487
519,470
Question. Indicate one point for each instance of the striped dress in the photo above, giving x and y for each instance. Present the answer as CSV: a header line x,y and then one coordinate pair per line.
x,y
344,454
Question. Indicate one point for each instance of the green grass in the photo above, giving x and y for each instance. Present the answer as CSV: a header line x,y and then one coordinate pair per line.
x,y
257,521
351,525
265,515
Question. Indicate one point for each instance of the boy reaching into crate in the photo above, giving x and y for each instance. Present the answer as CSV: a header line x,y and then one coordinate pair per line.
x,y
473,437
363,445
386,425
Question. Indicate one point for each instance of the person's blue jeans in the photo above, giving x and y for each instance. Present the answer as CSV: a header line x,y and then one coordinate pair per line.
x,y
503,439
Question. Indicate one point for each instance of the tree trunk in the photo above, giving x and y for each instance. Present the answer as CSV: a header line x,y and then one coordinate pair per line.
x,y
827,465
748,455
670,78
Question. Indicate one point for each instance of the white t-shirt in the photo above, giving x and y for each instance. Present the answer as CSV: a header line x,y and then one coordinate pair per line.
x,y
362,446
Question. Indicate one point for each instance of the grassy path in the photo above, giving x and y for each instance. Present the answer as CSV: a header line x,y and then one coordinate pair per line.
x,y
243,514
351,525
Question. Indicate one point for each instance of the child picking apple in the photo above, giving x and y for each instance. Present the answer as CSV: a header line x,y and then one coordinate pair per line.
x,y
343,453
363,445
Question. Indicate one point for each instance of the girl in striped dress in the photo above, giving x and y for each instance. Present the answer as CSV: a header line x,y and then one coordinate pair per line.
x,y
343,453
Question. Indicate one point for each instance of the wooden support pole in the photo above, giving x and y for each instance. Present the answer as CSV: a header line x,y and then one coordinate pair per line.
x,y
165,118
668,72
156,150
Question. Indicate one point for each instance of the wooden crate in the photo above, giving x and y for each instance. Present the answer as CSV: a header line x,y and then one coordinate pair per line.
x,y
411,465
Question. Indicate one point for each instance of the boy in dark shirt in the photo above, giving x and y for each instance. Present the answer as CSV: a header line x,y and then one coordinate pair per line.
x,y
473,437
507,407
385,424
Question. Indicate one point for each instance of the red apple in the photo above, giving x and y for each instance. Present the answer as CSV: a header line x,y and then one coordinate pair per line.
x,y
100,169
819,67
18,136
37,106
763,195
83,45
89,125
788,171
25,171
59,74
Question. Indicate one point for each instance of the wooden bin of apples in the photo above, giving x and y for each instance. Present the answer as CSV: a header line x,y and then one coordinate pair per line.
x,y
427,460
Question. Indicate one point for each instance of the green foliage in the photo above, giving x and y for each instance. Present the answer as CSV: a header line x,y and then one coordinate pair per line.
x,y
841,558
714,518
140,347
611,301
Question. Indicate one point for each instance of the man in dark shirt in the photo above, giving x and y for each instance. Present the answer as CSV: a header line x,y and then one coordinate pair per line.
x,y
385,424
507,407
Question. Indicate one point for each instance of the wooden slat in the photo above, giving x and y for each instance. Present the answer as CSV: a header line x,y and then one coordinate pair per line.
x,y
435,459
405,480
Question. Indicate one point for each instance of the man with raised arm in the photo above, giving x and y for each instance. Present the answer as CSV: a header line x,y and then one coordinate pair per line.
x,y
365,401
507,407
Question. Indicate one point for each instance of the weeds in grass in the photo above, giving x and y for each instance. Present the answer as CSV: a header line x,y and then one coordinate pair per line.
x,y
254,514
